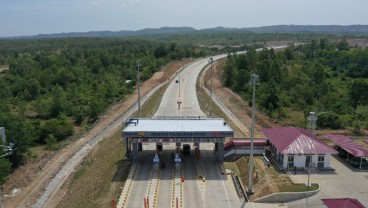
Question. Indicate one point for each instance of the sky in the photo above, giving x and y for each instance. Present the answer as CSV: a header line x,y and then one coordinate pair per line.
x,y
32,17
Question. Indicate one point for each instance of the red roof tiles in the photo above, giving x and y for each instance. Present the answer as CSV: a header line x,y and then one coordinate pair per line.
x,y
348,145
294,140
343,203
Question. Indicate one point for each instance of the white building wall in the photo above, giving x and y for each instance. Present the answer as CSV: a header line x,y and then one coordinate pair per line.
x,y
299,160
285,161
327,160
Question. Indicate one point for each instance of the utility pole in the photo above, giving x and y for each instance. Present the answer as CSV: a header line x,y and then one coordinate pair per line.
x,y
139,89
211,61
254,79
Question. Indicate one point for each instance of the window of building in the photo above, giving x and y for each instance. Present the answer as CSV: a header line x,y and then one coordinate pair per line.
x,y
321,161
290,162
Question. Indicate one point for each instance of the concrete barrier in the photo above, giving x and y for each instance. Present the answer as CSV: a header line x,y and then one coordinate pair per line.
x,y
286,196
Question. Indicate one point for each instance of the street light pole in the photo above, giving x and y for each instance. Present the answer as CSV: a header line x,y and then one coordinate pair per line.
x,y
254,79
309,166
211,61
139,89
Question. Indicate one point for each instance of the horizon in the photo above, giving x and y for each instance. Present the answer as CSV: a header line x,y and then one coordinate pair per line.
x,y
162,27
24,18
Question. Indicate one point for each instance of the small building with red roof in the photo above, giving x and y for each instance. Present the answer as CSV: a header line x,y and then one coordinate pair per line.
x,y
294,147
343,203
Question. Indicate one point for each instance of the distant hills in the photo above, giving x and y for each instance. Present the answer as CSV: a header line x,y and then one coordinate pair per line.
x,y
331,29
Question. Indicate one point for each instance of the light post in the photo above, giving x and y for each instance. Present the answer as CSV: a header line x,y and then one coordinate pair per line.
x,y
312,118
309,166
211,61
254,79
139,89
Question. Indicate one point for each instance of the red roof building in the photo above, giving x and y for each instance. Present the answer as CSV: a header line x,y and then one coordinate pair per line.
x,y
297,147
343,203
348,145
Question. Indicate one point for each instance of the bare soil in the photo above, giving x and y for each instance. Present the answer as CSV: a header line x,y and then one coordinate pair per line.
x,y
33,177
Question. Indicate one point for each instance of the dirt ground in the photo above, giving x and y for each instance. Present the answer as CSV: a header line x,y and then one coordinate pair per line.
x,y
33,177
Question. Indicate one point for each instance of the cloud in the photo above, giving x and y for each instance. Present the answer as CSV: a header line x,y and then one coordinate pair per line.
x,y
113,3
127,3
95,3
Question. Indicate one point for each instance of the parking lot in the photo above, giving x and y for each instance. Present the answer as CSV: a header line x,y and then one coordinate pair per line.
x,y
345,181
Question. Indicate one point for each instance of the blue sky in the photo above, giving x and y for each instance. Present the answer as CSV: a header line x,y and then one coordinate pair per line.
x,y
31,17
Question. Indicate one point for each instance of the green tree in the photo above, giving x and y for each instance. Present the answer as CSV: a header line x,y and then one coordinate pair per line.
x,y
5,167
59,127
50,142
358,92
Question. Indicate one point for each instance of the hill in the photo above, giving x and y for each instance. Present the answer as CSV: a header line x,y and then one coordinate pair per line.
x,y
329,29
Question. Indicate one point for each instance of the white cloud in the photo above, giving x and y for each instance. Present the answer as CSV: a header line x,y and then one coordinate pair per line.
x,y
127,3
113,3
95,3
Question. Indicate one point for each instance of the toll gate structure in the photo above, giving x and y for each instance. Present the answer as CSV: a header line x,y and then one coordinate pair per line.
x,y
175,130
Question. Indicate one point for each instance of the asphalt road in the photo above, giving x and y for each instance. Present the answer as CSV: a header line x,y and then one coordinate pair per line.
x,y
217,191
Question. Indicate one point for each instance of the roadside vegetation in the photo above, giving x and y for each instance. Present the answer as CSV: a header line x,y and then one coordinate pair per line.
x,y
319,76
102,174
58,88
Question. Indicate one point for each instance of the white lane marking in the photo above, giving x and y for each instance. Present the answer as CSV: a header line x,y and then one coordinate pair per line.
x,y
227,197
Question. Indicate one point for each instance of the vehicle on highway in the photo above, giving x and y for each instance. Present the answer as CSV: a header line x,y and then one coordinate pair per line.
x,y
156,159
177,159
186,149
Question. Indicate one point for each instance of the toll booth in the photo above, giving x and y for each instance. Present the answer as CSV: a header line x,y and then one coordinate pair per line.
x,y
175,130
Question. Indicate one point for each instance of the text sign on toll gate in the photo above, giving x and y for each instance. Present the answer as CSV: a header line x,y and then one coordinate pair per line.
x,y
154,140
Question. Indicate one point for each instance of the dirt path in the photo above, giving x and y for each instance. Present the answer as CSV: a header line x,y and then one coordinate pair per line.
x,y
34,180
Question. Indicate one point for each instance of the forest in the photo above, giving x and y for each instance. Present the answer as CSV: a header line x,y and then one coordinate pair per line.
x,y
55,88
319,76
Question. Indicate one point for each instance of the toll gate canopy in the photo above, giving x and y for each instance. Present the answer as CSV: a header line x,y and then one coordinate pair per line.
x,y
142,130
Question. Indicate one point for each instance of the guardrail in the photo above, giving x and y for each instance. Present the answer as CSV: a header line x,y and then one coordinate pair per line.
x,y
238,186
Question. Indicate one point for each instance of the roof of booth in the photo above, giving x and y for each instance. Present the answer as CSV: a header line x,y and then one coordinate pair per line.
x,y
343,203
294,140
348,145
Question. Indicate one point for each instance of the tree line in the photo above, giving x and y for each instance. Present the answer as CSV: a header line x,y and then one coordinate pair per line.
x,y
54,87
320,76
